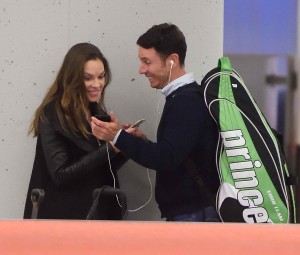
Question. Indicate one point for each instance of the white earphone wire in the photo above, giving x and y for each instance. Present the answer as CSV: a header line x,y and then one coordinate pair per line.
x,y
151,188
148,175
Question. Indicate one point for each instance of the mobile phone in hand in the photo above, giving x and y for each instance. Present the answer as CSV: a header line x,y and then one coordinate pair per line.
x,y
103,117
138,123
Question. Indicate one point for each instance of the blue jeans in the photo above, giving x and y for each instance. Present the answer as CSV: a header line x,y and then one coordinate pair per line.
x,y
207,214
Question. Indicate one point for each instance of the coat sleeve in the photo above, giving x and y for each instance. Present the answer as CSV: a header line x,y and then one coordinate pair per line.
x,y
63,168
183,125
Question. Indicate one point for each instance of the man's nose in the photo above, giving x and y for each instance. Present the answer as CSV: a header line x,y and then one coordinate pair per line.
x,y
142,69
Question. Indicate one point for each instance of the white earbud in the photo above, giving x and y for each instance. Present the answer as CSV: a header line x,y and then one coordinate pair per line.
x,y
172,63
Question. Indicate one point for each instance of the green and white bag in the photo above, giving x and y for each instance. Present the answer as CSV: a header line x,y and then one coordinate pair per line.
x,y
251,164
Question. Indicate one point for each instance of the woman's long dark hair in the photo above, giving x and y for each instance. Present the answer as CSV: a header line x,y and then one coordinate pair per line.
x,y
68,91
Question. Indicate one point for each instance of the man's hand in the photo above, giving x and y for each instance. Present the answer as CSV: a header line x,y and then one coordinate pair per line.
x,y
136,132
105,131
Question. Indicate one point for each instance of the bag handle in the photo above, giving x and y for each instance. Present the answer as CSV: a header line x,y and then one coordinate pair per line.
x,y
224,64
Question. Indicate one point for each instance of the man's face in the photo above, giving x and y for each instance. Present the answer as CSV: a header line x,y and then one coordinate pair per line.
x,y
153,67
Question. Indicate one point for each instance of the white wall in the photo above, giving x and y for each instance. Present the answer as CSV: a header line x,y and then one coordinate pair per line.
x,y
35,36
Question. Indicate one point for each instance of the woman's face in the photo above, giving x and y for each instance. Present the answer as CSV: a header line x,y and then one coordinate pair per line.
x,y
94,79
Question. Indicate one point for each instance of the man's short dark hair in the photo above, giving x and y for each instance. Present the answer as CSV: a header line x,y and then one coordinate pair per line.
x,y
166,39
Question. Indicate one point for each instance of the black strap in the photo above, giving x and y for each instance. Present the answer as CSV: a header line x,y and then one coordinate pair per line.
x,y
107,191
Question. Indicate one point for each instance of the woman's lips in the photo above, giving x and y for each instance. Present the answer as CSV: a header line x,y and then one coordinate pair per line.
x,y
94,92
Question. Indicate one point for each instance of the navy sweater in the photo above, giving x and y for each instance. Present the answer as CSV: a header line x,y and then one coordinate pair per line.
x,y
186,130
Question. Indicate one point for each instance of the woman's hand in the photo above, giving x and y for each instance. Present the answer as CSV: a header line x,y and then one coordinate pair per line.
x,y
105,131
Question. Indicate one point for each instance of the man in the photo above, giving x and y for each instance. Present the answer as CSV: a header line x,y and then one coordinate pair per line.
x,y
186,135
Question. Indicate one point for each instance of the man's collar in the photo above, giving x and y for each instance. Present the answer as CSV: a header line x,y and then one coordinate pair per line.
x,y
179,82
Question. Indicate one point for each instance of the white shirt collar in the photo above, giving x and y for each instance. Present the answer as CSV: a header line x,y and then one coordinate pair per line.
x,y
179,82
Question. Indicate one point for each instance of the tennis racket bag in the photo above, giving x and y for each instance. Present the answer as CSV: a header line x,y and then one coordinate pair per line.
x,y
251,164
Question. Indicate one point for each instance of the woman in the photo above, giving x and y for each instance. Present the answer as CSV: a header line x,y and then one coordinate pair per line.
x,y
70,162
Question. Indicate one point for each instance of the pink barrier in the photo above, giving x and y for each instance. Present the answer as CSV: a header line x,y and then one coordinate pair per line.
x,y
125,237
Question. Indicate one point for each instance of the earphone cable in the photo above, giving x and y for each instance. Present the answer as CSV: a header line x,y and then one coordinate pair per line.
x,y
114,179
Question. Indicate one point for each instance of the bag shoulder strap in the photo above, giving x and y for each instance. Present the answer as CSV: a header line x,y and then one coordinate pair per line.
x,y
224,64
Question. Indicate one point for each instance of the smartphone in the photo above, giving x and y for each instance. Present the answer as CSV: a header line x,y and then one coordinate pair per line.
x,y
138,123
102,117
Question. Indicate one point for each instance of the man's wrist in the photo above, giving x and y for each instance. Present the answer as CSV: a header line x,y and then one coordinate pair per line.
x,y
116,137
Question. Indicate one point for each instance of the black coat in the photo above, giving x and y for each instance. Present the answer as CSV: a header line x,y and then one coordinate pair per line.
x,y
69,168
